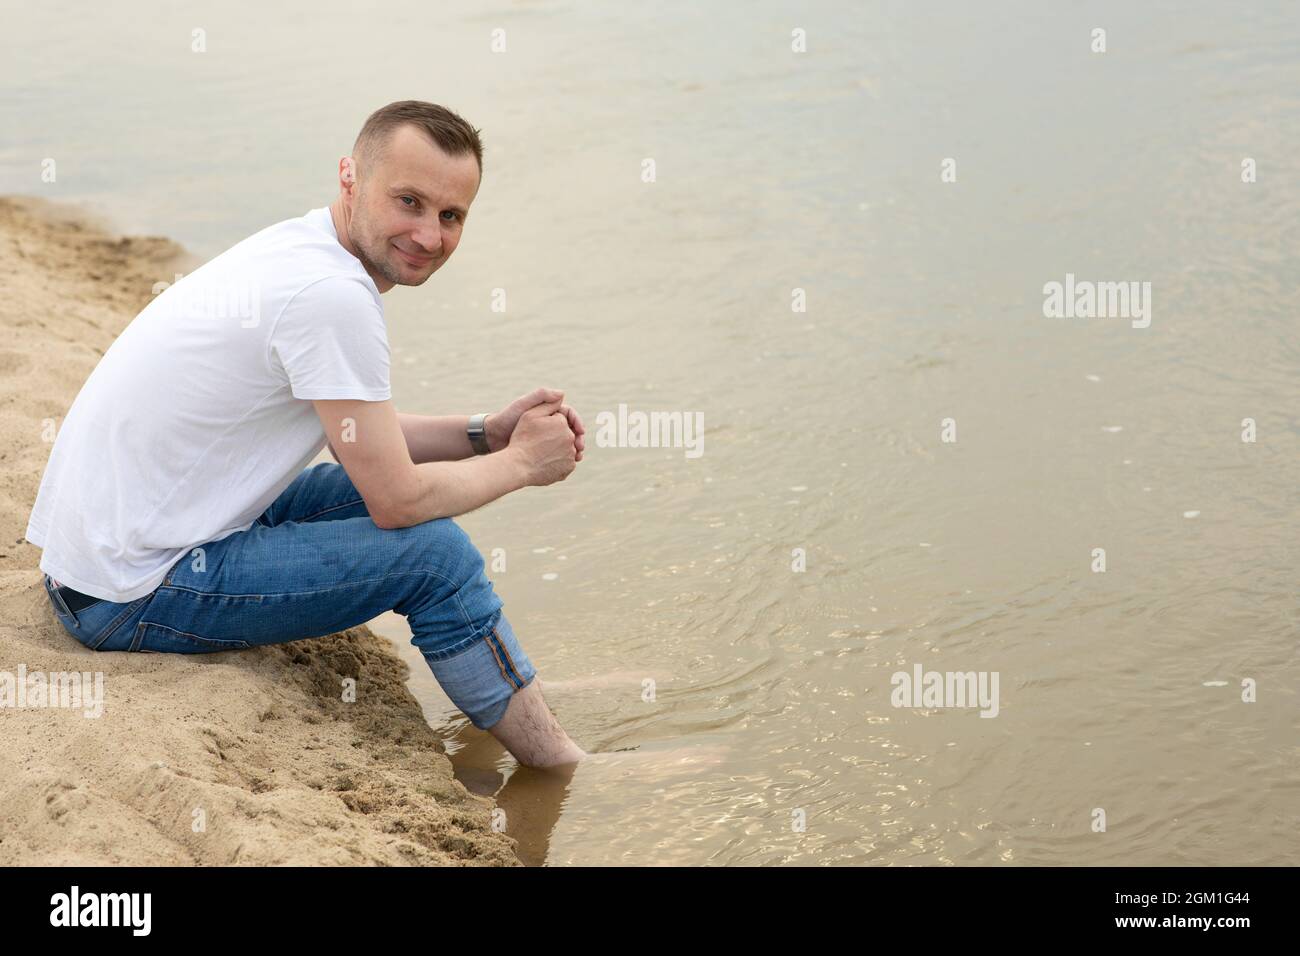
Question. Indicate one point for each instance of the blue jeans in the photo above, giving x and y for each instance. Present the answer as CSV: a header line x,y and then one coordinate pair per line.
x,y
312,564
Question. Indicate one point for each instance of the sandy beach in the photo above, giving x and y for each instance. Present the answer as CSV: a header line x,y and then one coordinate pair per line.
x,y
237,758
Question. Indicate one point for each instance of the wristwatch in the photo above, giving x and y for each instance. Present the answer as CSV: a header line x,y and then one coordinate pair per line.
x,y
477,434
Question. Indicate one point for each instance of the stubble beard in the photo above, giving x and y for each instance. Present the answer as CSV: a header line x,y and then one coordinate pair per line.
x,y
366,252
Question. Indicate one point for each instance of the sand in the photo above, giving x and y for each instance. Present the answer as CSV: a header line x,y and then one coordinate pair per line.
x,y
249,757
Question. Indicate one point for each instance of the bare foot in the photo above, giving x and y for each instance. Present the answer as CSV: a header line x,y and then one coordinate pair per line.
x,y
628,680
658,759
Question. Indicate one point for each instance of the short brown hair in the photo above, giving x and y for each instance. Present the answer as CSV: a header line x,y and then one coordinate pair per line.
x,y
450,132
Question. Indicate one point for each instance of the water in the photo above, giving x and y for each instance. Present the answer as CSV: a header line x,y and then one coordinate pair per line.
x,y
775,171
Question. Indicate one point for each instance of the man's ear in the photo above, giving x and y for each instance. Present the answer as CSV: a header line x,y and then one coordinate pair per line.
x,y
349,170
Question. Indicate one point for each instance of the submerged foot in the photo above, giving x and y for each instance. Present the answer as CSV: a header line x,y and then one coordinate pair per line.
x,y
659,760
629,680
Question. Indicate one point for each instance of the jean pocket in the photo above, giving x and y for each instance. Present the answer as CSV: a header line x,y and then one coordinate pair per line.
x,y
61,609
161,639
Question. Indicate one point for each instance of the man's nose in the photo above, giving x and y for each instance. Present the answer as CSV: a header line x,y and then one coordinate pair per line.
x,y
429,240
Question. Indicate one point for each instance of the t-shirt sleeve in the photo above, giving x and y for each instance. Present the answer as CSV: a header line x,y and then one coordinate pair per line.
x,y
331,342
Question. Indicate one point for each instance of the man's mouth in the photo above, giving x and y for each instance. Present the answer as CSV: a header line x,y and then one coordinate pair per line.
x,y
419,261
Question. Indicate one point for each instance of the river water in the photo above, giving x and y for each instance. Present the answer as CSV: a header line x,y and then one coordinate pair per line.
x,y
726,627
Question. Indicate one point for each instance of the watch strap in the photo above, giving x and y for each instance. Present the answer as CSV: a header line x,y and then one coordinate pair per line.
x,y
478,434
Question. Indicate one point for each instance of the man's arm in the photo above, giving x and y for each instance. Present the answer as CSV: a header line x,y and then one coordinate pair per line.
x,y
436,437
444,438
368,441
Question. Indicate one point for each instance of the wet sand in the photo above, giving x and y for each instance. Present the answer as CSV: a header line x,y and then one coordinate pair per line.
x,y
236,758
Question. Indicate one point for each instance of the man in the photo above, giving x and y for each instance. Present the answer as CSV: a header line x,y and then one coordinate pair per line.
x,y
176,514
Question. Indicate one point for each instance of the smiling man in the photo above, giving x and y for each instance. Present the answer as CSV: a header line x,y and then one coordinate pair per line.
x,y
177,513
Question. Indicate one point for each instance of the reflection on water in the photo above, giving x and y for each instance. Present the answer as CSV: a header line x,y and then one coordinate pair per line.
x,y
776,171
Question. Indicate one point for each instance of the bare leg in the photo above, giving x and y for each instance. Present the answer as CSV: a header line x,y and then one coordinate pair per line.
x,y
531,733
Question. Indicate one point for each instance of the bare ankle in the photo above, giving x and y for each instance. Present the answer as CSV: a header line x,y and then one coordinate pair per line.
x,y
568,757
531,733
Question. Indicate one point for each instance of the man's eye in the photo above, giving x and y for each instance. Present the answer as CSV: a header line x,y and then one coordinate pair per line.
x,y
412,198
454,215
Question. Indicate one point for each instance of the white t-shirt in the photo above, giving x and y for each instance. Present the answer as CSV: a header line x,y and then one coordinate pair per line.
x,y
199,414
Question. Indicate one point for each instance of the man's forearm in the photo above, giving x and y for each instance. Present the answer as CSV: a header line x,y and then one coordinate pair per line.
x,y
445,489
436,437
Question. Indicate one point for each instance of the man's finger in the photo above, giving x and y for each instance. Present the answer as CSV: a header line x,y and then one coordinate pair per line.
x,y
575,422
536,397
544,408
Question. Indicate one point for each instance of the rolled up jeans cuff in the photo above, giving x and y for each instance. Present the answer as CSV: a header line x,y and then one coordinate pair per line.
x,y
481,679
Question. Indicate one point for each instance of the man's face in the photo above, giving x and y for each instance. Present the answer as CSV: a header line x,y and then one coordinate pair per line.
x,y
409,208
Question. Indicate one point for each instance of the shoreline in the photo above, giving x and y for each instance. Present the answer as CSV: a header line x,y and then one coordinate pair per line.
x,y
238,758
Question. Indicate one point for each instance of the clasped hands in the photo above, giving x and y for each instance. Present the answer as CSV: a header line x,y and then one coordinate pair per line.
x,y
500,427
